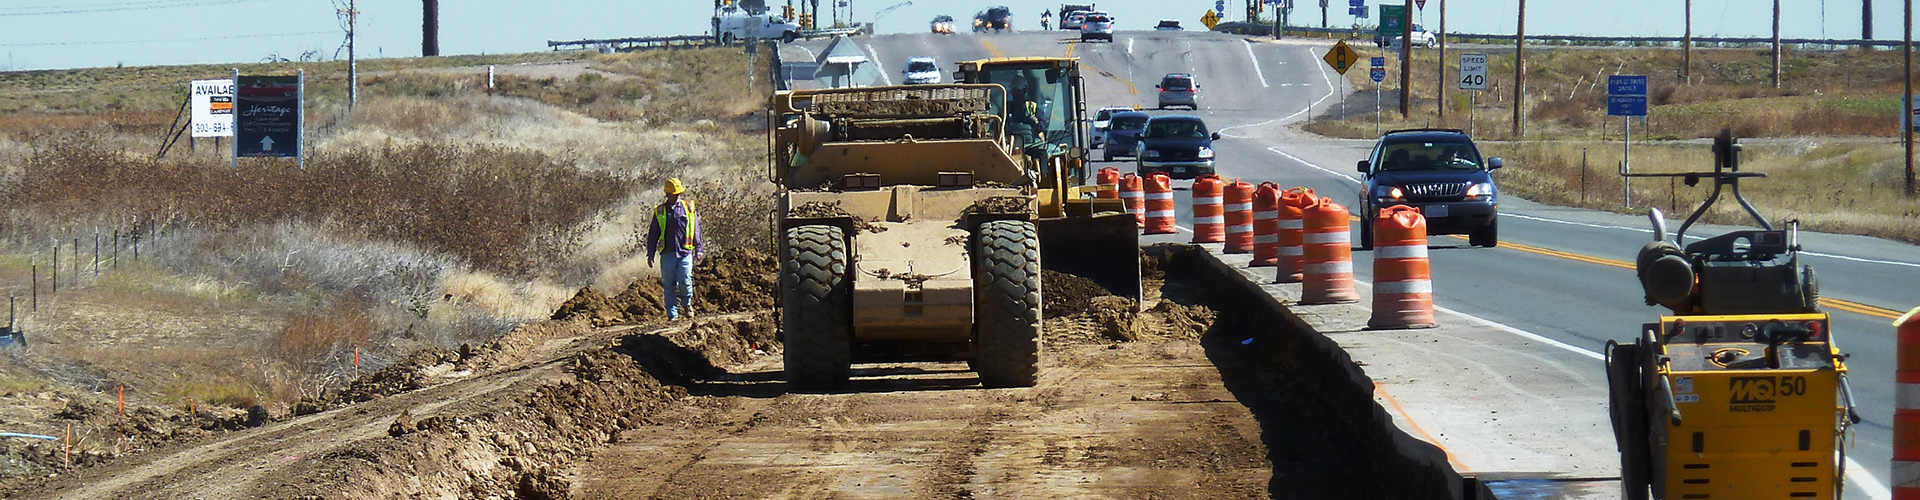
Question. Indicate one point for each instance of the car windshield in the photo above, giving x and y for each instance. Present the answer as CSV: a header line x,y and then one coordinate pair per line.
x,y
1096,19
1176,83
1176,129
1429,155
1103,115
1127,123
921,66
1169,24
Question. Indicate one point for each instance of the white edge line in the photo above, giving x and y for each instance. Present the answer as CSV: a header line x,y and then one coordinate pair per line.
x,y
1129,46
875,57
810,54
1316,102
1342,175
1256,64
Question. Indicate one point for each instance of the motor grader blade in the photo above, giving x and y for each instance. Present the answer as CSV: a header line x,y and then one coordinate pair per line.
x,y
1104,248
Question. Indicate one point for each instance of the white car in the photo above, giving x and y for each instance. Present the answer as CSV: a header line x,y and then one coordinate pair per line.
x,y
1098,136
1073,21
921,71
1096,26
1421,38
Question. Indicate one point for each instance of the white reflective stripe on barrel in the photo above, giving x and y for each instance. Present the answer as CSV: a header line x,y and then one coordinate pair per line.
x,y
1906,396
1905,474
1211,219
1421,286
1266,239
1160,196
1240,228
1267,214
1331,268
1325,238
1293,251
1400,252
1239,207
1160,214
1206,200
1292,224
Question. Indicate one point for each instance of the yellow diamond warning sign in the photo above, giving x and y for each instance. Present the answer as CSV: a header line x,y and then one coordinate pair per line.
x,y
1341,57
1210,19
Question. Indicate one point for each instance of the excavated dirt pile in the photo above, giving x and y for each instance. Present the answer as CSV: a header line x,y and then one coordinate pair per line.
x,y
522,442
733,280
1077,310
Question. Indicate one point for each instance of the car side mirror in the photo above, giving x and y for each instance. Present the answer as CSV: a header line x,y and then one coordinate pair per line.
x,y
1216,136
1494,162
1363,166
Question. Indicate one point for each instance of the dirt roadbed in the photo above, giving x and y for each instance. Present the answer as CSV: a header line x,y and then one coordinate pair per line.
x,y
1182,400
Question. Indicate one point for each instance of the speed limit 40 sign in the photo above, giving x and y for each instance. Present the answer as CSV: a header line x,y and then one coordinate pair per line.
x,y
1473,71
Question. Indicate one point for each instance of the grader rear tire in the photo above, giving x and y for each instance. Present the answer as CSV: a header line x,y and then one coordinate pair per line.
x,y
1006,327
815,310
1627,406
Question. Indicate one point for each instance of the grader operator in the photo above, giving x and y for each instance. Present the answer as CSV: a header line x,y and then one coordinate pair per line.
x,y
913,223
1741,392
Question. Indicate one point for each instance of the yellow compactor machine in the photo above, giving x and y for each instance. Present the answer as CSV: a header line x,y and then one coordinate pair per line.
x,y
1741,393
916,221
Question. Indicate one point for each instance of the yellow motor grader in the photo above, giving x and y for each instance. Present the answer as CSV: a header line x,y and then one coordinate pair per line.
x,y
913,224
1741,392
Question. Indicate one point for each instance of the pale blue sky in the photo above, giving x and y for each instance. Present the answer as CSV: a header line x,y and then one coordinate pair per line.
x,y
48,34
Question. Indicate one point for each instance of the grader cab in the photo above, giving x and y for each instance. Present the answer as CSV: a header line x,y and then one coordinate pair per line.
x,y
1741,392
908,217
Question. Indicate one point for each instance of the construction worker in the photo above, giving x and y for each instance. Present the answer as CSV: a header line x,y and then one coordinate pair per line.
x,y
675,235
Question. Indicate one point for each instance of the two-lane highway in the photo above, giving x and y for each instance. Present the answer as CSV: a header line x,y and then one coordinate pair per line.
x,y
1561,274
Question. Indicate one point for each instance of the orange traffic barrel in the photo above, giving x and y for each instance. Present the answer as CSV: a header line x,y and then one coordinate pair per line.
x,y
1266,224
1402,283
1293,206
1133,194
1906,409
1109,181
1239,217
1209,223
1328,244
1159,217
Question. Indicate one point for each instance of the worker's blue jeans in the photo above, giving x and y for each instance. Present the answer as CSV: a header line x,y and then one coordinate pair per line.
x,y
676,276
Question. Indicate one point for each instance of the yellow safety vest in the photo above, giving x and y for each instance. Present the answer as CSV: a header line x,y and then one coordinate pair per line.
x,y
660,221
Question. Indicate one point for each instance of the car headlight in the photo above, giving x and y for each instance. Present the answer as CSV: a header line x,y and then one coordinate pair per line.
x,y
1389,193
1206,153
1153,154
1482,190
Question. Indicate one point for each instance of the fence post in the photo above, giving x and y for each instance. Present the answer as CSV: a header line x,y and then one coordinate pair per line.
x,y
96,253
56,268
76,262
116,249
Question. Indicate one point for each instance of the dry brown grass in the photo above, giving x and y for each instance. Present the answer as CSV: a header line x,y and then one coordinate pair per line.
x,y
1837,93
431,215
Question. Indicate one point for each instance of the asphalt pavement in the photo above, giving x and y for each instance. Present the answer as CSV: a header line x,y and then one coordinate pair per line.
x,y
1559,273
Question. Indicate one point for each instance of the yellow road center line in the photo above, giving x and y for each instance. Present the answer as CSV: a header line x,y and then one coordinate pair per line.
x,y
1844,305
995,51
1070,45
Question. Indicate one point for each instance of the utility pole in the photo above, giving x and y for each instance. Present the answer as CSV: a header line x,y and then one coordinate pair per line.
x,y
1406,61
353,63
1686,50
1520,74
1440,93
1323,14
1776,43
1866,19
429,28
1907,53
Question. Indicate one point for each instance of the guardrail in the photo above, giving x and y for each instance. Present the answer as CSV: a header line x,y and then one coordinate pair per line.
x,y
638,43
1572,39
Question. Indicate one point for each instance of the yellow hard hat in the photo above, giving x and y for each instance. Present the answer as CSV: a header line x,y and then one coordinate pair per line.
x,y
675,187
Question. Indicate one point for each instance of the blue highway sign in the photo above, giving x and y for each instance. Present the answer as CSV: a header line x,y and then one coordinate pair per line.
x,y
1378,74
1626,105
1627,85
1379,62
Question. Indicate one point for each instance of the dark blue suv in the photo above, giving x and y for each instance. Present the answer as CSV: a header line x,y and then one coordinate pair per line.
x,y
1438,171
1177,145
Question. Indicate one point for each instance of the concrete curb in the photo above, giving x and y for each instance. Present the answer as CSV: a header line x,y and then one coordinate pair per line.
x,y
1408,467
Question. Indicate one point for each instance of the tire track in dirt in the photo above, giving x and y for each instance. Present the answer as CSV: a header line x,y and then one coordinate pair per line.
x,y
231,464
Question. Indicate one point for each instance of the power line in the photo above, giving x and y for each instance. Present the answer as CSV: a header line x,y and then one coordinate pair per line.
x,y
148,5
231,37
